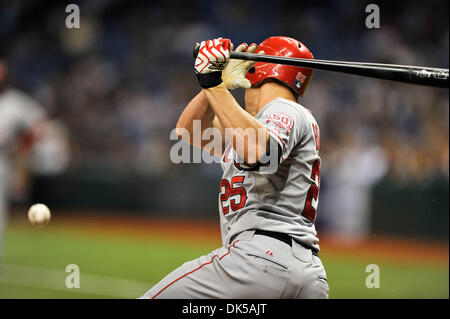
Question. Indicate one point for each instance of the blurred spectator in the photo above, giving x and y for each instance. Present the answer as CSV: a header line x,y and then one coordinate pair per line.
x,y
50,154
351,172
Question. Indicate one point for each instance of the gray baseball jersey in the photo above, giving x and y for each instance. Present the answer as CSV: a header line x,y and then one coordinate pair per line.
x,y
281,199
284,201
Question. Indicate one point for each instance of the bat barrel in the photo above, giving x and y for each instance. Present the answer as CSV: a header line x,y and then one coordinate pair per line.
x,y
434,77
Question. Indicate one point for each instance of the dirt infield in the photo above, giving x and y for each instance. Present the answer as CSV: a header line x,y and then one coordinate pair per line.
x,y
394,249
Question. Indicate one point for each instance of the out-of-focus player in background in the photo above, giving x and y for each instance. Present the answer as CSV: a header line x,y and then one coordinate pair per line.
x,y
270,185
28,141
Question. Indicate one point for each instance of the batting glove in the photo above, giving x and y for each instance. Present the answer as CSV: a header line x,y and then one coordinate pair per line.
x,y
233,75
212,57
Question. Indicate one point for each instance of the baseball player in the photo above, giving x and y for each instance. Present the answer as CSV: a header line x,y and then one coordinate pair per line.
x,y
269,191
21,119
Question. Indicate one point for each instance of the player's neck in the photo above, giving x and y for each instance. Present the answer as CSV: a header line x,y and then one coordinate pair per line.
x,y
257,98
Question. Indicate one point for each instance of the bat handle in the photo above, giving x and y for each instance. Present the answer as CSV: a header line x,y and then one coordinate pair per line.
x,y
195,51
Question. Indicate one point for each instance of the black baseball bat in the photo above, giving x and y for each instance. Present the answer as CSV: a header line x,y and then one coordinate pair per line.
x,y
420,75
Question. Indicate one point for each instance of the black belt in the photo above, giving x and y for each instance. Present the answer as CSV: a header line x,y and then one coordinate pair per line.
x,y
285,238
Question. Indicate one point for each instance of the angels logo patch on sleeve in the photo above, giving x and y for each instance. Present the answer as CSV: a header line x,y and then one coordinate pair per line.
x,y
281,123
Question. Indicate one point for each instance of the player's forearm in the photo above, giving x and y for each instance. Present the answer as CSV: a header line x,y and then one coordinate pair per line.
x,y
248,136
197,110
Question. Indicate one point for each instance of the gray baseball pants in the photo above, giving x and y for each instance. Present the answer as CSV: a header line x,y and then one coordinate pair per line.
x,y
251,267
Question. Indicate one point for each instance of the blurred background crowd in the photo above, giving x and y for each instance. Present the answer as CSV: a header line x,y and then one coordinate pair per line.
x,y
116,86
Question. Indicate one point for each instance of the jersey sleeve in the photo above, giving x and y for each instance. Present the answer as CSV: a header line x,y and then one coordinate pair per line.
x,y
285,125
20,117
32,114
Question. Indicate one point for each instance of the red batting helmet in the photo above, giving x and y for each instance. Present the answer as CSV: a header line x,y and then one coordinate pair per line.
x,y
295,77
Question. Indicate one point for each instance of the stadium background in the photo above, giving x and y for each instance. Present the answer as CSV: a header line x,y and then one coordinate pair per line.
x,y
127,215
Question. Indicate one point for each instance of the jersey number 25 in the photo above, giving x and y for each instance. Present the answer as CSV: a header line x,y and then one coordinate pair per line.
x,y
228,190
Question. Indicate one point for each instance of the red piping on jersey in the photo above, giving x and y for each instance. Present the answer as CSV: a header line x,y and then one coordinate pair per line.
x,y
283,143
225,156
212,259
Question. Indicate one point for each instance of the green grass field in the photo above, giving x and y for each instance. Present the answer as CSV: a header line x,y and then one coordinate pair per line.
x,y
113,266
